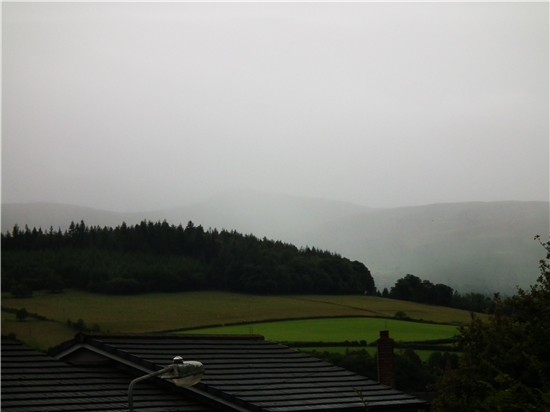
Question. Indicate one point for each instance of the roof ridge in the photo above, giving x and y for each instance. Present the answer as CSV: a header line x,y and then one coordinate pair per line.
x,y
81,337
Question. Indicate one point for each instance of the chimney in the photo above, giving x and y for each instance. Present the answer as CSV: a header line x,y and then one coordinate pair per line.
x,y
386,367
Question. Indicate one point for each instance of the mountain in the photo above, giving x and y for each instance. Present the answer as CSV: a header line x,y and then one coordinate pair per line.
x,y
485,247
281,217
59,216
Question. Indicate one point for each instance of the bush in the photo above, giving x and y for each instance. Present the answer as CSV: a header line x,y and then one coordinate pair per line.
x,y
81,326
401,315
21,314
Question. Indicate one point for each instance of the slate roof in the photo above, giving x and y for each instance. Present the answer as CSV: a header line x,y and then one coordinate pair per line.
x,y
33,381
249,373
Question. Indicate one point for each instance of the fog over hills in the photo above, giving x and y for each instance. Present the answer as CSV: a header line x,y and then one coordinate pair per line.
x,y
475,246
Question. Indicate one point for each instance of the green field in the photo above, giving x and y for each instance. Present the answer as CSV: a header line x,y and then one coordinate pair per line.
x,y
339,330
175,311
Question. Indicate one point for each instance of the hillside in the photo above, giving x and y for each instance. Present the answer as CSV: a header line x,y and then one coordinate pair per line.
x,y
155,312
483,247
279,217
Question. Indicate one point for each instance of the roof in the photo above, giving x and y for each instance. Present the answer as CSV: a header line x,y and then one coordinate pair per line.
x,y
33,381
247,373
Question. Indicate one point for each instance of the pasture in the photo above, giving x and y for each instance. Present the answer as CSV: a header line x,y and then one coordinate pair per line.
x,y
157,312
339,330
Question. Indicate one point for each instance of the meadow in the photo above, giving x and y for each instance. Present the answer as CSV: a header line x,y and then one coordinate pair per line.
x,y
339,330
160,312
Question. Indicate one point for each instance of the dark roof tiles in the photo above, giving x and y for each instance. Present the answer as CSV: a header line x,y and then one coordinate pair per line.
x,y
32,381
255,374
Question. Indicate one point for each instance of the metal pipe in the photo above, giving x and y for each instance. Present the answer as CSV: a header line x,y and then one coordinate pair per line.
x,y
142,378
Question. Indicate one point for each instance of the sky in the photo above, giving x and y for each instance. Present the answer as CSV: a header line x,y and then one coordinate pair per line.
x,y
141,106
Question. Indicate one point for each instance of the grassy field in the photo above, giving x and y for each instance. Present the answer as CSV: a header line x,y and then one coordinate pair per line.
x,y
171,311
35,333
340,330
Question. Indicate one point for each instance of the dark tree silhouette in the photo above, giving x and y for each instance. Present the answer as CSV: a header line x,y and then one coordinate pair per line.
x,y
161,257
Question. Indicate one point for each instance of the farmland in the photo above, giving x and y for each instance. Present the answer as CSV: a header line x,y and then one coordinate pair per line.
x,y
159,312
340,330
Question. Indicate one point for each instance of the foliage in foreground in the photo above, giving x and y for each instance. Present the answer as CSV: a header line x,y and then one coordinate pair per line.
x,y
412,374
161,257
506,362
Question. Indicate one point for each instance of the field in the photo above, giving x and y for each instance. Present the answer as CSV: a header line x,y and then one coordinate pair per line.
x,y
340,330
176,311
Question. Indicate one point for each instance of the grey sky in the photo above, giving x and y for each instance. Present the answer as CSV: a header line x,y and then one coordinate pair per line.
x,y
134,106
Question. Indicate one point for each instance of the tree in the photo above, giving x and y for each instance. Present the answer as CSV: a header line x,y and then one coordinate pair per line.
x,y
505,364
443,294
21,314
406,288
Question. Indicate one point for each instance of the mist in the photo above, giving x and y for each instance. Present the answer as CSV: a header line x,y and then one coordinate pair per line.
x,y
142,106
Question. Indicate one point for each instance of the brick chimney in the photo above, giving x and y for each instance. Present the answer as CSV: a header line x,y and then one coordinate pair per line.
x,y
386,366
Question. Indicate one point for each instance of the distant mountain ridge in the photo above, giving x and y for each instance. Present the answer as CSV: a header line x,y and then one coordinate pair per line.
x,y
474,246
485,247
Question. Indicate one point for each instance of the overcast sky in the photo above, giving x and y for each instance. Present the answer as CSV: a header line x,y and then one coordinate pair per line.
x,y
136,106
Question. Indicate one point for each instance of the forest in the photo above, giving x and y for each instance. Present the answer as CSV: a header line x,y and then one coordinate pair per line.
x,y
156,256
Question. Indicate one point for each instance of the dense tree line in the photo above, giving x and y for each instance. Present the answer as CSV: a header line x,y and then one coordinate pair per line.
x,y
161,257
414,289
